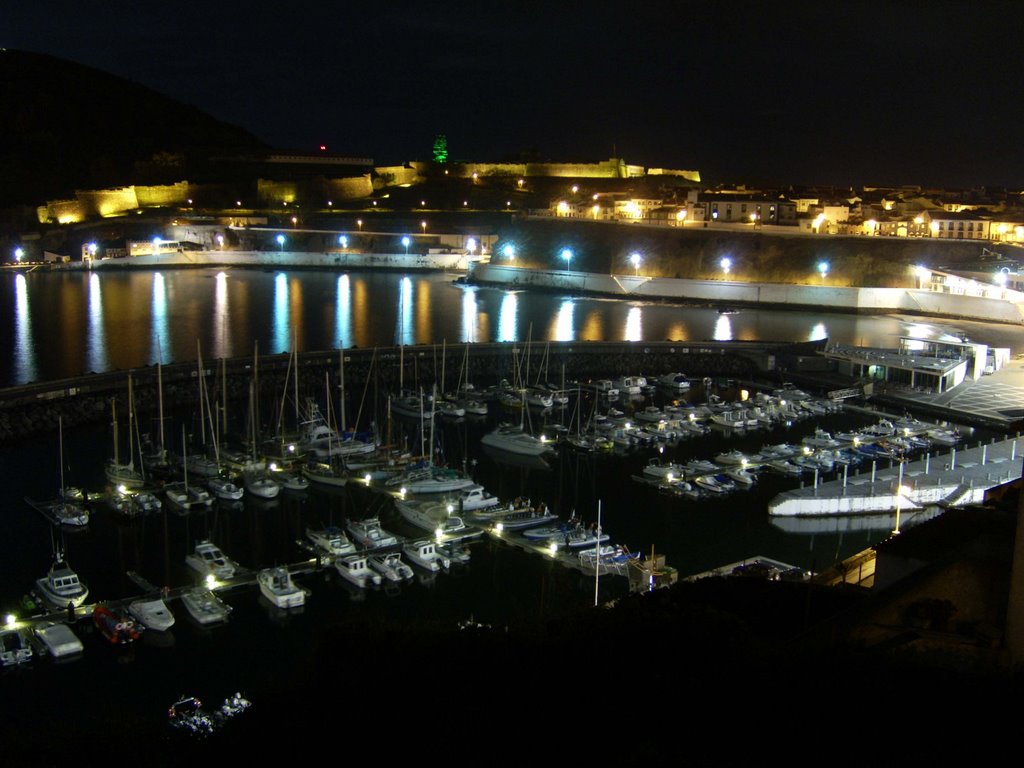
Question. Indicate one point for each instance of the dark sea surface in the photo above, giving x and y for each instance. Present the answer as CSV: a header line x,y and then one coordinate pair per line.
x,y
299,661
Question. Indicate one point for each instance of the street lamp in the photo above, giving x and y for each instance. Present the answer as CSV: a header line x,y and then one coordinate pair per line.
x,y
634,257
18,253
509,252
471,245
343,241
567,255
423,226
405,242
359,223
923,273
220,242
726,264
92,250
280,241
156,245
823,269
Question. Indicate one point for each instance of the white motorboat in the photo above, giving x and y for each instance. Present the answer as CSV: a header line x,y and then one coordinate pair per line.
x,y
277,586
475,497
659,471
630,385
289,481
432,516
224,489
732,458
61,512
579,537
424,554
821,439
370,535
390,566
204,606
516,440
262,486
740,475
353,568
699,467
519,517
713,484
208,560
59,640
200,466
331,541
15,647
651,415
607,559
62,586
676,382
145,503
454,552
154,614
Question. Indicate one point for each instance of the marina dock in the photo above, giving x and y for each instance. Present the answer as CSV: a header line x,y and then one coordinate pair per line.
x,y
958,477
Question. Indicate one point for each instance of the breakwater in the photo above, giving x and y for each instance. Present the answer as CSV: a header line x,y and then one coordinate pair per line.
x,y
370,374
735,293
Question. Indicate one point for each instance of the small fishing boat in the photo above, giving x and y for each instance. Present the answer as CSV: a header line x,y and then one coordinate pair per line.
x,y
370,534
208,560
390,566
277,586
424,554
62,586
331,541
354,568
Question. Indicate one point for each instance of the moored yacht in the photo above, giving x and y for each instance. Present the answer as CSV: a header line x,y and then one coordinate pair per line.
x,y
154,614
277,586
390,566
208,560
516,440
331,541
353,568
62,586
204,606
370,535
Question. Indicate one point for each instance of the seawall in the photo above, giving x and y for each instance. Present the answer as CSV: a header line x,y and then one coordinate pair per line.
x,y
733,293
458,262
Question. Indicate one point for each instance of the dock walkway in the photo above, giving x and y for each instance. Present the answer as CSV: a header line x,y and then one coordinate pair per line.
x,y
955,478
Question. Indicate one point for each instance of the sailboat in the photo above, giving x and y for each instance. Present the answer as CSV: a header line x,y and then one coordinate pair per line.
x,y
256,480
63,510
119,474
184,496
199,463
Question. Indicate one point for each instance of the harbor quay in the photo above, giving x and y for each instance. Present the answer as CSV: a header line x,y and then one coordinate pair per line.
x,y
956,478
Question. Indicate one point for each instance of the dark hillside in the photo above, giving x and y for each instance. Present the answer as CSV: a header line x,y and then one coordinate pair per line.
x,y
69,126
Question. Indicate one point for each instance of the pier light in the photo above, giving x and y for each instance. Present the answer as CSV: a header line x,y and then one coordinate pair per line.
x,y
509,251
438,533
823,270
567,255
18,253
366,478
670,477
343,241
295,220
291,448
635,260
211,581
122,488
402,491
543,438
923,274
405,242
423,203
273,466
238,203
280,241
499,527
725,264
553,548
330,203
10,619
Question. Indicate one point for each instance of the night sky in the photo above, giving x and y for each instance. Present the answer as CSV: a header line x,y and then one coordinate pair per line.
x,y
790,92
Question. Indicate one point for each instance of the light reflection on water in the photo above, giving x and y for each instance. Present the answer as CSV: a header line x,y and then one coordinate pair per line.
x,y
97,343
24,350
63,325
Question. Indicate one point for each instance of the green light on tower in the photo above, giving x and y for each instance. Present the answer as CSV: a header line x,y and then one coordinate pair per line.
x,y
441,149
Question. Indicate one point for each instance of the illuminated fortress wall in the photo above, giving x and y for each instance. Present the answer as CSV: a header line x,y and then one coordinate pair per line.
x,y
350,187
163,195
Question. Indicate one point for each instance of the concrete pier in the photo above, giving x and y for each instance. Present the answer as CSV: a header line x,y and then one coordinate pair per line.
x,y
954,478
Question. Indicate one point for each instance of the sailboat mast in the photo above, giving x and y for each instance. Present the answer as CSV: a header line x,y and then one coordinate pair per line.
x,y
444,347
202,413
341,388
60,430
131,423
113,409
160,399
597,552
